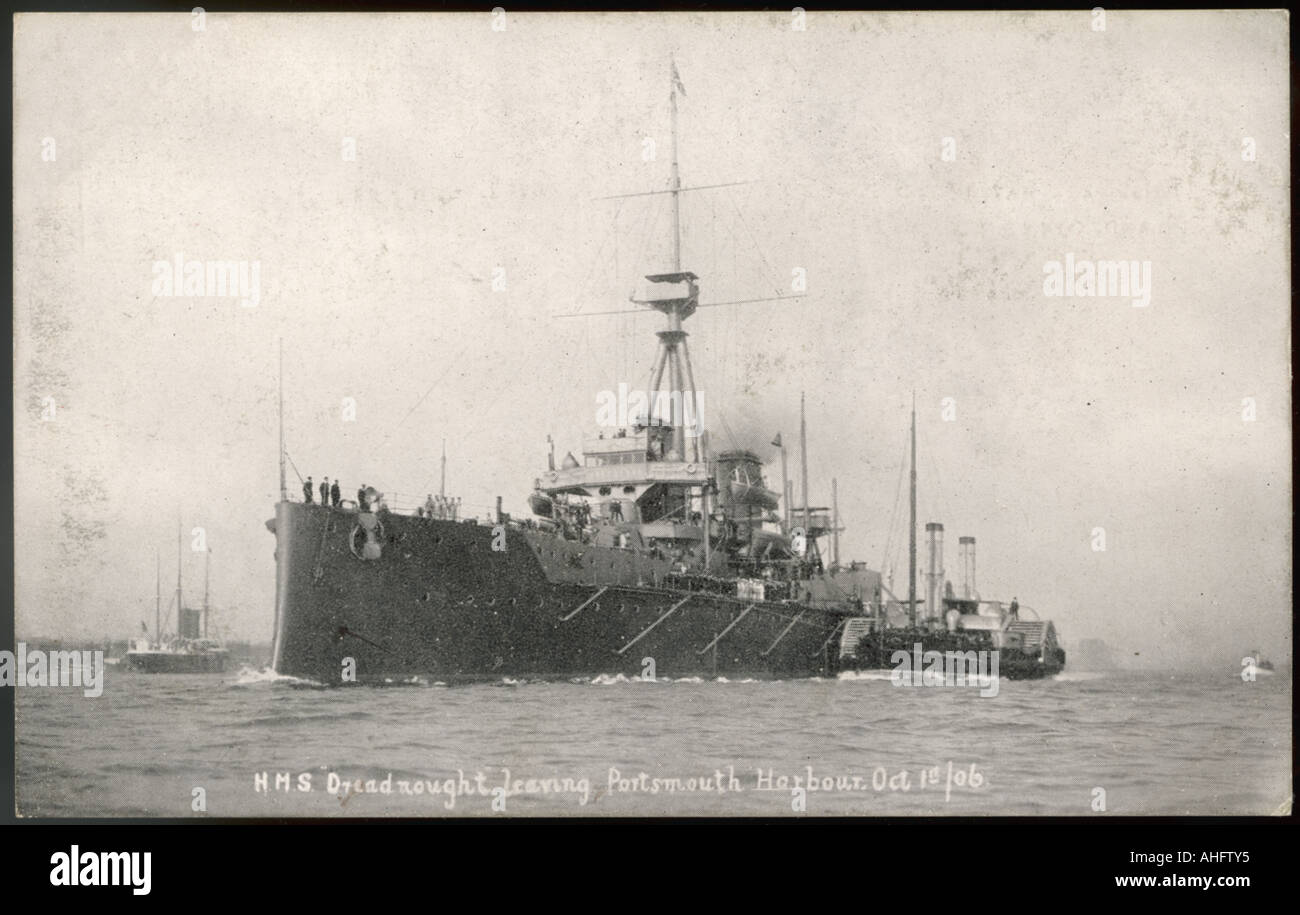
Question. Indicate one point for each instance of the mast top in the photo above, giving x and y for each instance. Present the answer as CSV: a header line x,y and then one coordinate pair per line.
x,y
676,175
678,306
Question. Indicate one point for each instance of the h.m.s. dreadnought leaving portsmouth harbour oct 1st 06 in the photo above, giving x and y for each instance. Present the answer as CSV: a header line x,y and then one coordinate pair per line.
x,y
651,547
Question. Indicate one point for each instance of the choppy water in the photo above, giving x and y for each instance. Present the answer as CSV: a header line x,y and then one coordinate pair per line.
x,y
1157,743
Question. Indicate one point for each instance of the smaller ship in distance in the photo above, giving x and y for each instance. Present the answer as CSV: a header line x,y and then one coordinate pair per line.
x,y
1256,663
189,651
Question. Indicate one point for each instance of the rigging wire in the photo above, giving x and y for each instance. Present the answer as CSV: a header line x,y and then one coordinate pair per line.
x,y
293,465
646,225
623,349
393,428
727,428
939,501
719,143
757,247
893,521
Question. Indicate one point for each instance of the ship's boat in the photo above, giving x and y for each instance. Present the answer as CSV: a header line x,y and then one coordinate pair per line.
x,y
542,505
652,555
747,491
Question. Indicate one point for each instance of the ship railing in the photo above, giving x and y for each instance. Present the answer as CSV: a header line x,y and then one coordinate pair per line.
x,y
688,472
1025,608
412,504
817,520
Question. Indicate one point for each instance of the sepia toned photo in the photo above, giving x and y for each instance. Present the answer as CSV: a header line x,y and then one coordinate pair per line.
x,y
651,414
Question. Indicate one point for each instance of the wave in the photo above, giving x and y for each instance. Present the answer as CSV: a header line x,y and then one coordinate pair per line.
x,y
614,679
1079,676
247,676
285,719
409,681
611,679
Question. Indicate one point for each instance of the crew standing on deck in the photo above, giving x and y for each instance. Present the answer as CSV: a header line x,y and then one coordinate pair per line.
x,y
336,494
325,491
306,491
362,505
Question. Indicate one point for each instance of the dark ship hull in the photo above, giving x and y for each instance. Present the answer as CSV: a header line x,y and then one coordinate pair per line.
x,y
176,662
441,604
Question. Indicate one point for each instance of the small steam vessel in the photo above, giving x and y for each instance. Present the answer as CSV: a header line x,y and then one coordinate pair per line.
x,y
951,622
1258,663
189,650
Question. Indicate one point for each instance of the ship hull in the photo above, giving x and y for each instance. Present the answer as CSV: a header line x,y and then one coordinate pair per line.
x,y
166,662
462,602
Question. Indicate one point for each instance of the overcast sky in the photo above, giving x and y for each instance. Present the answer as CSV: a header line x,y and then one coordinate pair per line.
x,y
919,169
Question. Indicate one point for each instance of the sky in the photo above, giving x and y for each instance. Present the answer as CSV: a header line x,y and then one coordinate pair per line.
x,y
423,199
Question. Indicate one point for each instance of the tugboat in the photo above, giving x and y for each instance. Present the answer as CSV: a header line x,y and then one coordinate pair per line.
x,y
1027,649
652,556
190,651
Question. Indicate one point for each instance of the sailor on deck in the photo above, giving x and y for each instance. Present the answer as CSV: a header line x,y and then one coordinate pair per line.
x,y
307,490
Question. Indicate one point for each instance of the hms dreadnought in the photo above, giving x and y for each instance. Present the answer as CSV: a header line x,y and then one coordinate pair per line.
x,y
653,555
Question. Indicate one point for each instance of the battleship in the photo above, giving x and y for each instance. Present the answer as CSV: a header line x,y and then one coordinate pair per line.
x,y
651,556
189,650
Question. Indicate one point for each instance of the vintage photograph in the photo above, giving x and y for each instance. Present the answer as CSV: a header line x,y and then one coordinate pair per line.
x,y
652,414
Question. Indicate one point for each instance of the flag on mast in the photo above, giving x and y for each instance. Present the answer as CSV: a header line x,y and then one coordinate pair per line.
x,y
776,442
677,80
